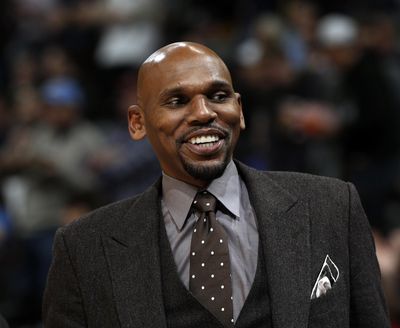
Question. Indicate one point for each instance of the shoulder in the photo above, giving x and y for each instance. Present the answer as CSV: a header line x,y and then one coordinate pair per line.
x,y
300,182
116,216
323,194
99,220
295,183
317,191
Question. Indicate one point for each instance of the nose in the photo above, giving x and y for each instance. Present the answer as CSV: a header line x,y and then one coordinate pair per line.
x,y
201,111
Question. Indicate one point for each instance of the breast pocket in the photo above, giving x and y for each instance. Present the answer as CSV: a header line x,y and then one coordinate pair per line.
x,y
327,312
324,304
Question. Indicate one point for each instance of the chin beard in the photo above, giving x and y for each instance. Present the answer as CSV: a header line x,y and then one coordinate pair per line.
x,y
206,172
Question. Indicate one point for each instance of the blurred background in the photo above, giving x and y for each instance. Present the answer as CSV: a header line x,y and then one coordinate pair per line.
x,y
320,85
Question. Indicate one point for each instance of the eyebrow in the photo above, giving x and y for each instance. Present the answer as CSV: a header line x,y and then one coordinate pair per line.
x,y
215,85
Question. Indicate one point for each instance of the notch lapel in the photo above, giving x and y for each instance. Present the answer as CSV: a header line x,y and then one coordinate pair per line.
x,y
133,257
284,229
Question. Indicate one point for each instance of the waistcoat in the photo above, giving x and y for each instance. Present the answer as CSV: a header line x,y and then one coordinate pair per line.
x,y
182,310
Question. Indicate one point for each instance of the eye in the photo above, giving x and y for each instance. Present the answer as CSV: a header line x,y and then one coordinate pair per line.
x,y
219,96
176,101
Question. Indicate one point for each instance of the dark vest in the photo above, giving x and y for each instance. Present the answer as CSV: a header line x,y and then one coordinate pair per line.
x,y
182,310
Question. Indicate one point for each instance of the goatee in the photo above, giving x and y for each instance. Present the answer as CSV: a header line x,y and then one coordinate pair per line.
x,y
206,172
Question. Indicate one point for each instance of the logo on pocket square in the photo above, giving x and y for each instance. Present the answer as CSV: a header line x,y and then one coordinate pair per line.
x,y
327,277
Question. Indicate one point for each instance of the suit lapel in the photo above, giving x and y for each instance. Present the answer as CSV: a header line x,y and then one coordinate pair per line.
x,y
284,230
133,256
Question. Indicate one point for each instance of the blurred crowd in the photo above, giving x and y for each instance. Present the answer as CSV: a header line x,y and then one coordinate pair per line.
x,y
320,85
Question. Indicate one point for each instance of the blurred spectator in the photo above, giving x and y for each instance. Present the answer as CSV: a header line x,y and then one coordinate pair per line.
x,y
32,22
24,70
106,38
264,74
55,62
298,125
42,165
131,30
125,168
370,115
301,20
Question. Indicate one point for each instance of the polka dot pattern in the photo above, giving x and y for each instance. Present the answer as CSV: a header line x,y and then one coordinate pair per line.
x,y
209,263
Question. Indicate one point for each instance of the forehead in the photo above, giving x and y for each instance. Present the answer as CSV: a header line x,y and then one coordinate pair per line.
x,y
183,70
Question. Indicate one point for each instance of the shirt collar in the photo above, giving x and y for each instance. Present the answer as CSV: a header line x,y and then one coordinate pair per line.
x,y
178,196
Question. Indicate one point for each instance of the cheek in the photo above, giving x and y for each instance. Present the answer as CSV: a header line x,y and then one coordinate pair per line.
x,y
231,117
161,134
172,127
167,122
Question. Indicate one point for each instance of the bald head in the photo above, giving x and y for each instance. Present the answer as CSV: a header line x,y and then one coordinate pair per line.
x,y
182,55
178,48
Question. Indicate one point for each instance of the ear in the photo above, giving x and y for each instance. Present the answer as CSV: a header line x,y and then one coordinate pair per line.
x,y
136,125
239,101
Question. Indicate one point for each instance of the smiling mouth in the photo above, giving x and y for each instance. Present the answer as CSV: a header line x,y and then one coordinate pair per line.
x,y
204,141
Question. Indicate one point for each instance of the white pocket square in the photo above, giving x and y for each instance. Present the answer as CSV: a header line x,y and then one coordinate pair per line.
x,y
327,277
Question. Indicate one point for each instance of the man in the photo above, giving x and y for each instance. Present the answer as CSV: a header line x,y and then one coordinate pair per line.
x,y
300,249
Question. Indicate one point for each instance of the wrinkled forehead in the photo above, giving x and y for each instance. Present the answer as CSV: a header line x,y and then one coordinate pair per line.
x,y
180,66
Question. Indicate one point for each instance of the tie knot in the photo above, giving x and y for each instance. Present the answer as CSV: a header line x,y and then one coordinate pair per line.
x,y
205,202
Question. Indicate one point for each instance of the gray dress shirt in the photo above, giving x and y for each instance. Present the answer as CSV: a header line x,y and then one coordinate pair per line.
x,y
239,224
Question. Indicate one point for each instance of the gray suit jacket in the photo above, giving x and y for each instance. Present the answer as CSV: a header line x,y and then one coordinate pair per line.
x,y
106,266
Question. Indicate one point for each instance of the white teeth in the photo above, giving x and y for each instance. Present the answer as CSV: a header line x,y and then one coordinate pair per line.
x,y
203,139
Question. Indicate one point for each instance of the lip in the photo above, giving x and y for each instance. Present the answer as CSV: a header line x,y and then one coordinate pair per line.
x,y
204,132
202,150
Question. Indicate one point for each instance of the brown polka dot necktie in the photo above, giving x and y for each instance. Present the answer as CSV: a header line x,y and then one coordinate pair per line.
x,y
210,279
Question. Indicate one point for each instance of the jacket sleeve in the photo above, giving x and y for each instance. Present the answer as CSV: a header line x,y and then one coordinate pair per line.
x,y
62,304
367,304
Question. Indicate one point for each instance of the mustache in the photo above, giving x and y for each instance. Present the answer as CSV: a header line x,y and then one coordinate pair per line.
x,y
211,125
